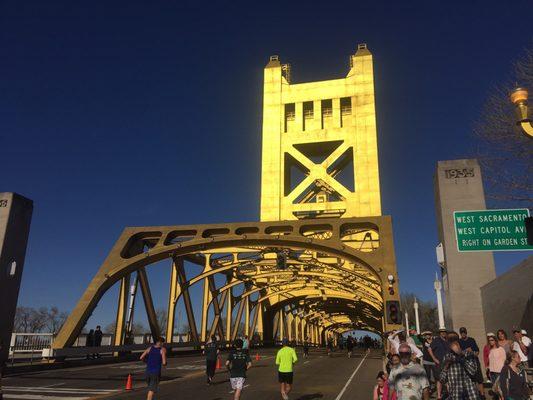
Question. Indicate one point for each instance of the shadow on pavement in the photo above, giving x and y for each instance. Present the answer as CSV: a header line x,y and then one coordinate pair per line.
x,y
310,396
219,382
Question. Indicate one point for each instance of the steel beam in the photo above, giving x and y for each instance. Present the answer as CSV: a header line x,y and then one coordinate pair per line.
x,y
122,309
206,299
149,304
188,304
237,321
173,295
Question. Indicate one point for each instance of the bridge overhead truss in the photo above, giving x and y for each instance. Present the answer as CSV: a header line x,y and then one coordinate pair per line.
x,y
311,278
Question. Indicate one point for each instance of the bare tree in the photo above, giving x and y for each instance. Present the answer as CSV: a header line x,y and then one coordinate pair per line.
x,y
110,328
23,317
138,328
55,319
427,312
504,152
161,315
30,320
184,328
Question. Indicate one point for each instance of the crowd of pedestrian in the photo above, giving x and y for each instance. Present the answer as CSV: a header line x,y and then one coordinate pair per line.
x,y
448,365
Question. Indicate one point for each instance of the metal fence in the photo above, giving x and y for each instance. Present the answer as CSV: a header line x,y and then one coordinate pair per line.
x,y
24,346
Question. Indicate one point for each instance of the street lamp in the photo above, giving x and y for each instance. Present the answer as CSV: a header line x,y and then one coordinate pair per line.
x,y
438,287
519,99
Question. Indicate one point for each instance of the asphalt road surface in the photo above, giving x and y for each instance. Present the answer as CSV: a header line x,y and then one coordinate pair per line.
x,y
318,377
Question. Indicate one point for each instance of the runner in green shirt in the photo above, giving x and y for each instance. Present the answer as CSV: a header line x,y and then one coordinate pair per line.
x,y
285,358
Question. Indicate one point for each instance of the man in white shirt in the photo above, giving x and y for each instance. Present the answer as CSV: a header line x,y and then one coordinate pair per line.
x,y
521,345
408,381
396,338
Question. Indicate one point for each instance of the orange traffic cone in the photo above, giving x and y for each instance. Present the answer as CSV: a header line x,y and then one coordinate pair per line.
x,y
129,383
257,358
218,363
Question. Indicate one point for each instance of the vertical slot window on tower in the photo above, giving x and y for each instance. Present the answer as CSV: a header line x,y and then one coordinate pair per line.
x,y
327,113
290,116
346,110
308,115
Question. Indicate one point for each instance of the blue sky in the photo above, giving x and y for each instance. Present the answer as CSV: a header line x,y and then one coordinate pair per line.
x,y
117,114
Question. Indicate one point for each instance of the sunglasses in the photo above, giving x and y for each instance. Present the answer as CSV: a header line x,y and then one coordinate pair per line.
x,y
405,353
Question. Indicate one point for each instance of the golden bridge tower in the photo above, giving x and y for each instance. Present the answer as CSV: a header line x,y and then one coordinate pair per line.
x,y
320,263
320,156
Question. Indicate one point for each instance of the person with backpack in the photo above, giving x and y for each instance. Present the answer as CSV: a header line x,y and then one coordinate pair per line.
x,y
155,356
238,363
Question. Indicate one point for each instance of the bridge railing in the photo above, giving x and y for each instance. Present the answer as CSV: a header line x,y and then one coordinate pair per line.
x,y
24,346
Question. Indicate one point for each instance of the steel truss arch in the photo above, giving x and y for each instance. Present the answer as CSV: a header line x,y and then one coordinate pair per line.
x,y
361,278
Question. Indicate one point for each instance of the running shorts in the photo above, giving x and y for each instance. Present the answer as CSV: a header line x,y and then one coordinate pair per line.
x,y
285,377
152,380
237,383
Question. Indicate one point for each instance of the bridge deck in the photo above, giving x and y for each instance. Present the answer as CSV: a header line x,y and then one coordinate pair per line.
x,y
318,377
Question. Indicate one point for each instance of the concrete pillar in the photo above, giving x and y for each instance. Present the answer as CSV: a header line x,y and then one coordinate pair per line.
x,y
459,187
15,218
336,103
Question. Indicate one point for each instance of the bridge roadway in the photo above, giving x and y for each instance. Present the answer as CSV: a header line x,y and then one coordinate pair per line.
x,y
318,377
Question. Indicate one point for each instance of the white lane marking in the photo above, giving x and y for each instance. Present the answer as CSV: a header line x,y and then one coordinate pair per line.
x,y
305,362
55,385
233,391
46,389
188,367
39,397
129,367
351,377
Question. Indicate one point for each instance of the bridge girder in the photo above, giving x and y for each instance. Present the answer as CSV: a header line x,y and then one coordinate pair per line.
x,y
327,284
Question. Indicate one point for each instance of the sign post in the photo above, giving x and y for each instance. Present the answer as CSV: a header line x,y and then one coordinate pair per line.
x,y
491,230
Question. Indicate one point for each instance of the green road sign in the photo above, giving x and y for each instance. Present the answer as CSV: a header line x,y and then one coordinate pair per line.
x,y
491,230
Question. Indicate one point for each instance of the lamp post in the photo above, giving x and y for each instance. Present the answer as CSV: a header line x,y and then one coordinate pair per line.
x,y
417,320
438,288
519,99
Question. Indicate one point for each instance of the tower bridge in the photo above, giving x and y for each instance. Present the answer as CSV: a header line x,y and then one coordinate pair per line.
x,y
320,261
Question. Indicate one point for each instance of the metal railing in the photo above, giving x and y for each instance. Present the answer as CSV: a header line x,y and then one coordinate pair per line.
x,y
34,346
24,345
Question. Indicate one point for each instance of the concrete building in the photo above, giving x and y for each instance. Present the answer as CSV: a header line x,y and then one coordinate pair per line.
x,y
459,187
508,299
15,218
